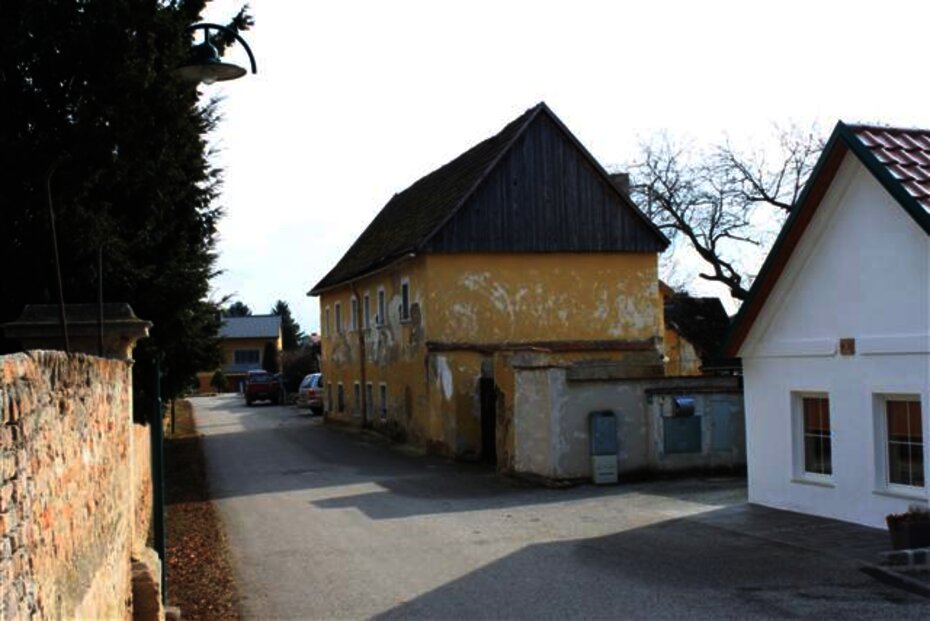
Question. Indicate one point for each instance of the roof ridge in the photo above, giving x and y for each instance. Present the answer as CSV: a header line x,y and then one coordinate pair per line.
x,y
528,116
885,128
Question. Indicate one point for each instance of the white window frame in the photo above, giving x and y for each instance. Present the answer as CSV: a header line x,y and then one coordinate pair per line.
x,y
404,308
800,473
339,327
353,320
366,311
883,483
381,317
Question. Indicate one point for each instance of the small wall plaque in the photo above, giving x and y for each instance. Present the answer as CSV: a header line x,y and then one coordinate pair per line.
x,y
848,347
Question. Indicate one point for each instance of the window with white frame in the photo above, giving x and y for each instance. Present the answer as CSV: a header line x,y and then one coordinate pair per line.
x,y
901,433
353,320
405,300
339,319
357,399
813,438
366,311
381,318
383,390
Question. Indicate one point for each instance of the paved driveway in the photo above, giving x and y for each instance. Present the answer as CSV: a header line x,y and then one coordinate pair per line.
x,y
324,524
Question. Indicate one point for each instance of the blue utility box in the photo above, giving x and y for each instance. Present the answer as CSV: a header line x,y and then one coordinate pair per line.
x,y
602,428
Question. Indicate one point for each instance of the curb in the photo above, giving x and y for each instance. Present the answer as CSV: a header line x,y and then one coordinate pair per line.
x,y
895,579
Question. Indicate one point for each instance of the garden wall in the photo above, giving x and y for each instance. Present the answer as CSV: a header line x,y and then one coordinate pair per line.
x,y
73,480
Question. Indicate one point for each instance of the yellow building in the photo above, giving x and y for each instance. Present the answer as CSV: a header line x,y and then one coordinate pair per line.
x,y
521,244
243,344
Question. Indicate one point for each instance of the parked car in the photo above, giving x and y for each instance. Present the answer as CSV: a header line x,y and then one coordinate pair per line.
x,y
310,393
262,386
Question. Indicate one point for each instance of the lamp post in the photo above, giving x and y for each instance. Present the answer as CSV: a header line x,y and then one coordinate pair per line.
x,y
203,65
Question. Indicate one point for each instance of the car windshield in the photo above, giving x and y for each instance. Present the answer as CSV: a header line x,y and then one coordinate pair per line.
x,y
260,378
317,381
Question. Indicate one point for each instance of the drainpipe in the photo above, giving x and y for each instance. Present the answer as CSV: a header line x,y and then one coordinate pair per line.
x,y
158,480
363,392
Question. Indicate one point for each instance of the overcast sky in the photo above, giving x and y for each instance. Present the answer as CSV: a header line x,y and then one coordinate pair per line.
x,y
354,101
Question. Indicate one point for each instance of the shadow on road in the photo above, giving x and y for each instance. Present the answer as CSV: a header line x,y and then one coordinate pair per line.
x,y
731,563
276,449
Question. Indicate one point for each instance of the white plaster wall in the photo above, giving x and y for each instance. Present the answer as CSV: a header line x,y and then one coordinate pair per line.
x,y
532,444
862,271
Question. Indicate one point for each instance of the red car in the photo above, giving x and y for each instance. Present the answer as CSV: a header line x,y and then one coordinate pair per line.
x,y
262,386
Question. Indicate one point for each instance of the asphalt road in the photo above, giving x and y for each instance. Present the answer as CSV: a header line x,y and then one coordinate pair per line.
x,y
326,524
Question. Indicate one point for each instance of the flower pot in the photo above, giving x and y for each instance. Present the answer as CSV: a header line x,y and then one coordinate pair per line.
x,y
906,535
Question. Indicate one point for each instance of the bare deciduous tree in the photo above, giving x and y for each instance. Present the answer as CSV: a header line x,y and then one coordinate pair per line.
x,y
709,197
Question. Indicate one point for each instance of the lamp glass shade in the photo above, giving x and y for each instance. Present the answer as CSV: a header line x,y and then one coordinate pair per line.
x,y
204,65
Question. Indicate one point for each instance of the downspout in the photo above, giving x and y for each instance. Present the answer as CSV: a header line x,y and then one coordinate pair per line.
x,y
362,389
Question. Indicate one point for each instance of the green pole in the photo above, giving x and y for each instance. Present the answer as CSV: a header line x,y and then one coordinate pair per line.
x,y
158,481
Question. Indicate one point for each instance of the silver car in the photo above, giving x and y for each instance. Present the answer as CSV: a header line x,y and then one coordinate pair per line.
x,y
310,393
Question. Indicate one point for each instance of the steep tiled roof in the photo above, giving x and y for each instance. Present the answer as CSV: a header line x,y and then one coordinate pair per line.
x,y
905,153
254,326
411,216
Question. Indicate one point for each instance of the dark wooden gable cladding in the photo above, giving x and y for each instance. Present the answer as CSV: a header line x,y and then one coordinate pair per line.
x,y
546,195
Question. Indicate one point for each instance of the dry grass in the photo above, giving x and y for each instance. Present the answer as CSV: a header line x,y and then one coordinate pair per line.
x,y
200,578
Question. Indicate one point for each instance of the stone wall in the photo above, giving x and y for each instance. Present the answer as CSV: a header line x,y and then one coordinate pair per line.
x,y
72,497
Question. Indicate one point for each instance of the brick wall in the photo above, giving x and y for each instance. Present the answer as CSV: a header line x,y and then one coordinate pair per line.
x,y
72,473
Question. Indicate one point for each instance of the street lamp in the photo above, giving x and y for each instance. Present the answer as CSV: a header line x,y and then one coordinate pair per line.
x,y
203,61
203,65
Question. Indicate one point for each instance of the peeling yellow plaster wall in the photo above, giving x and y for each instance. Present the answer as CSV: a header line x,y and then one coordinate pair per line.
x,y
394,349
681,358
531,297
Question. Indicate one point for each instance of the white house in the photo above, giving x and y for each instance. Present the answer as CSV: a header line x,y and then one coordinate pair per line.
x,y
835,336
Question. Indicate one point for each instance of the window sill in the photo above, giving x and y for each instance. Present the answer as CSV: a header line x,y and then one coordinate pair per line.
x,y
814,482
902,494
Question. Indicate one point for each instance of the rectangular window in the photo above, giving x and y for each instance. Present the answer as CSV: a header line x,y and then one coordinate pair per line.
x,y
383,390
329,397
405,301
905,442
357,399
366,311
326,326
246,356
338,318
369,400
816,428
381,319
353,320
341,398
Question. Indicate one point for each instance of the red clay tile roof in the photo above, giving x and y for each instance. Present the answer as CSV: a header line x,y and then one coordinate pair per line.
x,y
905,153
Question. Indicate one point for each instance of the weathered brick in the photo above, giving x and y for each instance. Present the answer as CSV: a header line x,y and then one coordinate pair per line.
x,y
65,497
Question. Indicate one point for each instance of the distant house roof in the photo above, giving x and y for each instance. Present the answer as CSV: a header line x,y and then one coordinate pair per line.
x,y
253,326
703,322
898,158
413,217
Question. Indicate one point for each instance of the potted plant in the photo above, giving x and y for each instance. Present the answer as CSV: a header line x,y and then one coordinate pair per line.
x,y
910,529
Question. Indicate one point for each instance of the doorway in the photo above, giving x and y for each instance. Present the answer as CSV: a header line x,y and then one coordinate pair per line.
x,y
488,396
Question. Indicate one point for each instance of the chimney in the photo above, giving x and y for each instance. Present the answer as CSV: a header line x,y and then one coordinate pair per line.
x,y
621,181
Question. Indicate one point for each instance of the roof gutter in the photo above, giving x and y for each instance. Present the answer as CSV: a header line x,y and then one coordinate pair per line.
x,y
405,257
